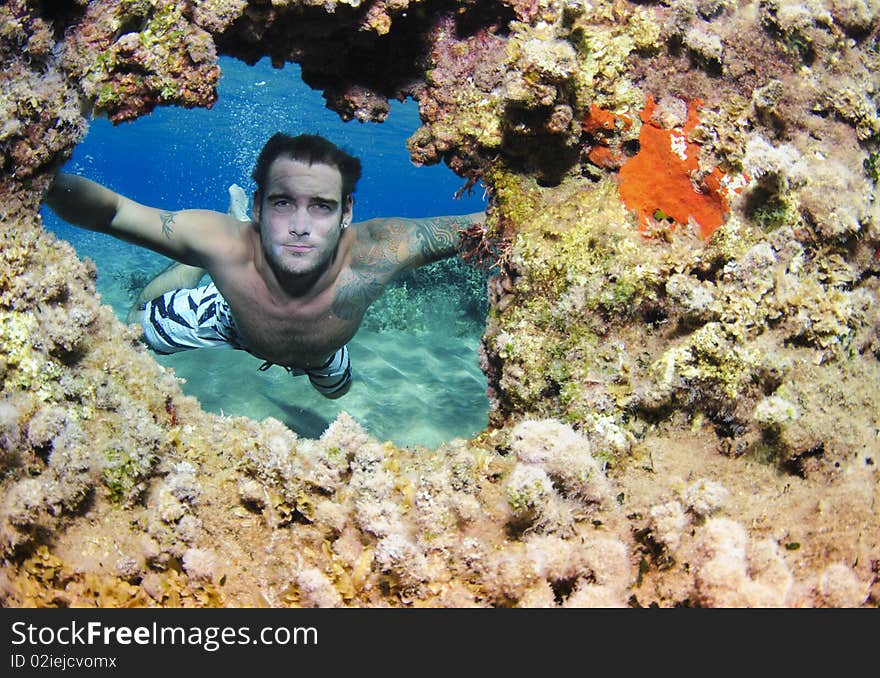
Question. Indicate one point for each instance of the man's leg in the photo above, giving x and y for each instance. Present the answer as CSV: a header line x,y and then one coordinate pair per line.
x,y
187,318
177,276
333,379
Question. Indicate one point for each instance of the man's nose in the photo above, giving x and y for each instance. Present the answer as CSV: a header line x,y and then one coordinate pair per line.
x,y
300,223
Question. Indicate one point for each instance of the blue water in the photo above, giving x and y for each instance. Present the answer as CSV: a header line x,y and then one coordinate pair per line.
x,y
187,158
414,388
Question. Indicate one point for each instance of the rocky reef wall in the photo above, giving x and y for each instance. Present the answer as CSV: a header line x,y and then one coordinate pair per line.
x,y
682,345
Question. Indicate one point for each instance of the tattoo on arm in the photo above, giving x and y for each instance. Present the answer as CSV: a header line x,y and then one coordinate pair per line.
x,y
380,250
167,220
355,292
387,248
437,238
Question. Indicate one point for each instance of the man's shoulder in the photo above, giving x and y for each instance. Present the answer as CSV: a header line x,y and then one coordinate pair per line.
x,y
381,229
229,239
373,254
376,241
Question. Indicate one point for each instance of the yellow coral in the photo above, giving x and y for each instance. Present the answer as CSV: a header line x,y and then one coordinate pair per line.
x,y
32,369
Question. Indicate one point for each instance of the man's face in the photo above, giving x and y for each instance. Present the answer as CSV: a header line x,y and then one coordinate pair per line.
x,y
301,216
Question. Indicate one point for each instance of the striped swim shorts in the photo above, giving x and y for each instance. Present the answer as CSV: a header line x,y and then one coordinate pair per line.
x,y
181,320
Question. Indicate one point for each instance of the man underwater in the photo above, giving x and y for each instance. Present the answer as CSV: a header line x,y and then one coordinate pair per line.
x,y
290,286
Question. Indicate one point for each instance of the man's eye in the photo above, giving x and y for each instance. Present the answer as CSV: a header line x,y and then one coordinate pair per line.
x,y
321,207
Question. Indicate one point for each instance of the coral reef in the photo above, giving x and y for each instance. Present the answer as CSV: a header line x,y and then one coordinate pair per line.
x,y
682,338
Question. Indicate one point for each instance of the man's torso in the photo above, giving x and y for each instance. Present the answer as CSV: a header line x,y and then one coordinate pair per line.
x,y
298,331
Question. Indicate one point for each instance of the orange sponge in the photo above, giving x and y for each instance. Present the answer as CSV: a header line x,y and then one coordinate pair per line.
x,y
663,176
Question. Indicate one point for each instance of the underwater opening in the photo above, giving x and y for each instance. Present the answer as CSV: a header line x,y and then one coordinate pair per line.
x,y
417,378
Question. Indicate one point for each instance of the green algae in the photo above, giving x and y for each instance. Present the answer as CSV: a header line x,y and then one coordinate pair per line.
x,y
580,264
124,472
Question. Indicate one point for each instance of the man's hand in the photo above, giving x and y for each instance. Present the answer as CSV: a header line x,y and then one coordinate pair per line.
x,y
82,202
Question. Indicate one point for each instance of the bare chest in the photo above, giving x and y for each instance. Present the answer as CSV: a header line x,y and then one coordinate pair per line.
x,y
288,332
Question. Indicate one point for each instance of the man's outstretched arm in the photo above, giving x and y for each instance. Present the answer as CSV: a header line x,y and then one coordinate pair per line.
x,y
185,235
404,243
436,238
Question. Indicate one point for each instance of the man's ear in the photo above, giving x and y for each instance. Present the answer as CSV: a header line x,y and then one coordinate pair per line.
x,y
347,211
257,206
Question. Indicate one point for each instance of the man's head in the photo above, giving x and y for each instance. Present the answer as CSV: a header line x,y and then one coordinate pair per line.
x,y
303,202
310,149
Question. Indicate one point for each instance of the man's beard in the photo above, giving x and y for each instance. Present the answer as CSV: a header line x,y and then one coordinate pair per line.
x,y
285,267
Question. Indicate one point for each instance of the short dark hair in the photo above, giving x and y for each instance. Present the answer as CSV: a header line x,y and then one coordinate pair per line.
x,y
310,149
